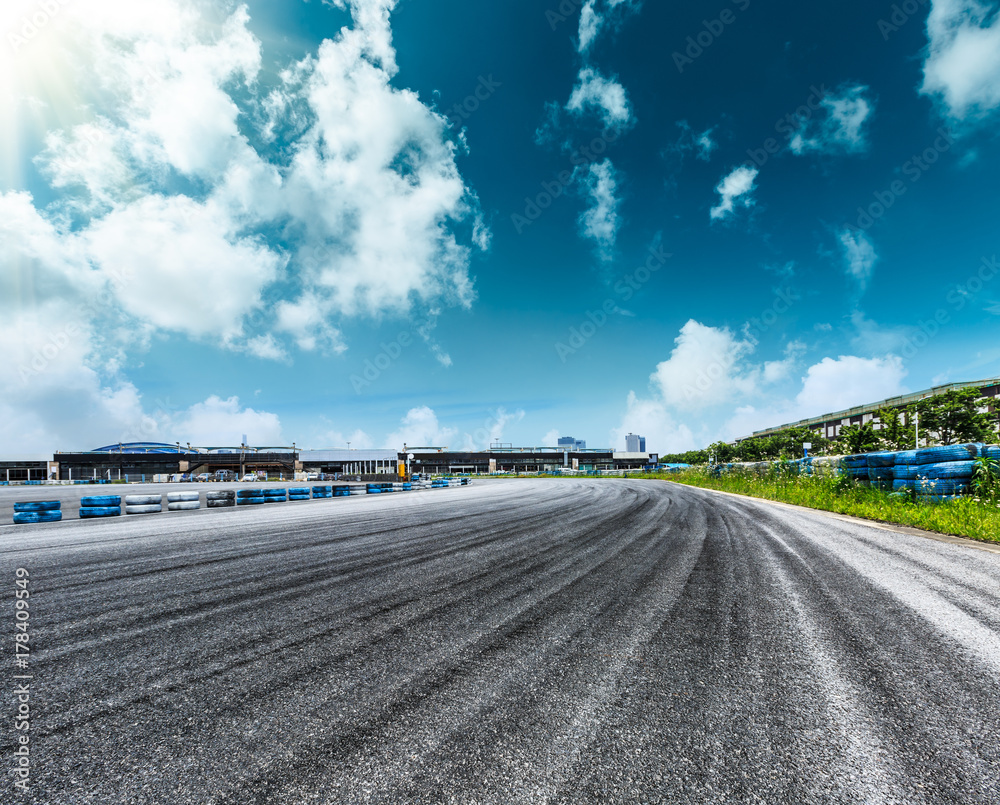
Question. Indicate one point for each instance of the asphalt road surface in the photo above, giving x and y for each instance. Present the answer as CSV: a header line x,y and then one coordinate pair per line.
x,y
507,642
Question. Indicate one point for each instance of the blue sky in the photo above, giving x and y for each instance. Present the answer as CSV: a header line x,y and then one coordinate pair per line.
x,y
450,223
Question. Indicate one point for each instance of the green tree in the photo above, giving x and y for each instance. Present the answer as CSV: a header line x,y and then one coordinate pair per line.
x,y
859,438
954,417
896,432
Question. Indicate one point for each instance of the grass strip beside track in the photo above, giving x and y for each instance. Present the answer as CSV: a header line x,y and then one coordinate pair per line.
x,y
963,517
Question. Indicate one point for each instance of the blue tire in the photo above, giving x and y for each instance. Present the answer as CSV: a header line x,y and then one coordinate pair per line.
x,y
38,506
905,472
902,485
298,497
99,511
948,469
250,501
906,457
942,486
952,452
250,493
101,500
44,516
992,451
881,460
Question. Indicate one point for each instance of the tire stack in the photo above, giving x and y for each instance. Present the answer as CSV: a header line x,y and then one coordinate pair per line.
x,y
275,496
856,467
38,511
143,504
249,497
183,501
221,500
880,470
100,506
298,494
376,489
946,472
341,491
904,473
322,492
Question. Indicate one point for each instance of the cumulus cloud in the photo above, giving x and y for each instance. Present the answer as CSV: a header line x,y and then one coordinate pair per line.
x,y
219,422
735,190
550,439
859,256
840,125
600,222
705,368
605,96
962,69
420,428
189,203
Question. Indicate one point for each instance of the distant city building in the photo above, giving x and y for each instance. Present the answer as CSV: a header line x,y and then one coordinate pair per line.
x,y
635,444
569,443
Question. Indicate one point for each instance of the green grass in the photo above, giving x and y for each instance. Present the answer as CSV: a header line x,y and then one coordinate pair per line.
x,y
965,517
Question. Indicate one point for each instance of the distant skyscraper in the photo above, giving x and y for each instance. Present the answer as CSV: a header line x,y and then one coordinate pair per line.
x,y
635,444
569,443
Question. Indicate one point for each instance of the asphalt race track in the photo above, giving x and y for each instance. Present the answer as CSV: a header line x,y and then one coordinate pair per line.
x,y
507,642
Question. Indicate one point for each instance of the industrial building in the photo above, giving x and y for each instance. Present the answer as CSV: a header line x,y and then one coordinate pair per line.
x,y
830,425
144,461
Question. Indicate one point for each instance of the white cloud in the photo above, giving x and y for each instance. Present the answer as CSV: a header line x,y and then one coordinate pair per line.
x,y
492,429
833,384
839,126
859,256
420,428
181,266
593,20
706,145
601,222
702,144
218,422
550,439
590,25
962,69
705,368
335,439
735,190
603,95
654,420
267,348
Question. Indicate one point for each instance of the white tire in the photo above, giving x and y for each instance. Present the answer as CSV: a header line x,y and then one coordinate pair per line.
x,y
184,505
181,497
143,500
143,508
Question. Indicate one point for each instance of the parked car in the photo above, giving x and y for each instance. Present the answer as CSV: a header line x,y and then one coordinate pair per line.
x,y
249,477
202,477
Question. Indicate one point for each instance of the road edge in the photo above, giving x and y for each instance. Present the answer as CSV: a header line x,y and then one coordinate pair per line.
x,y
950,539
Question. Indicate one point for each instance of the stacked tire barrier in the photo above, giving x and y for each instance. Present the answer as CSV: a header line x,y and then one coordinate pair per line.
x,y
375,489
322,492
143,504
904,472
275,496
220,500
933,474
183,501
100,506
298,493
249,497
880,470
856,467
946,472
341,491
38,511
